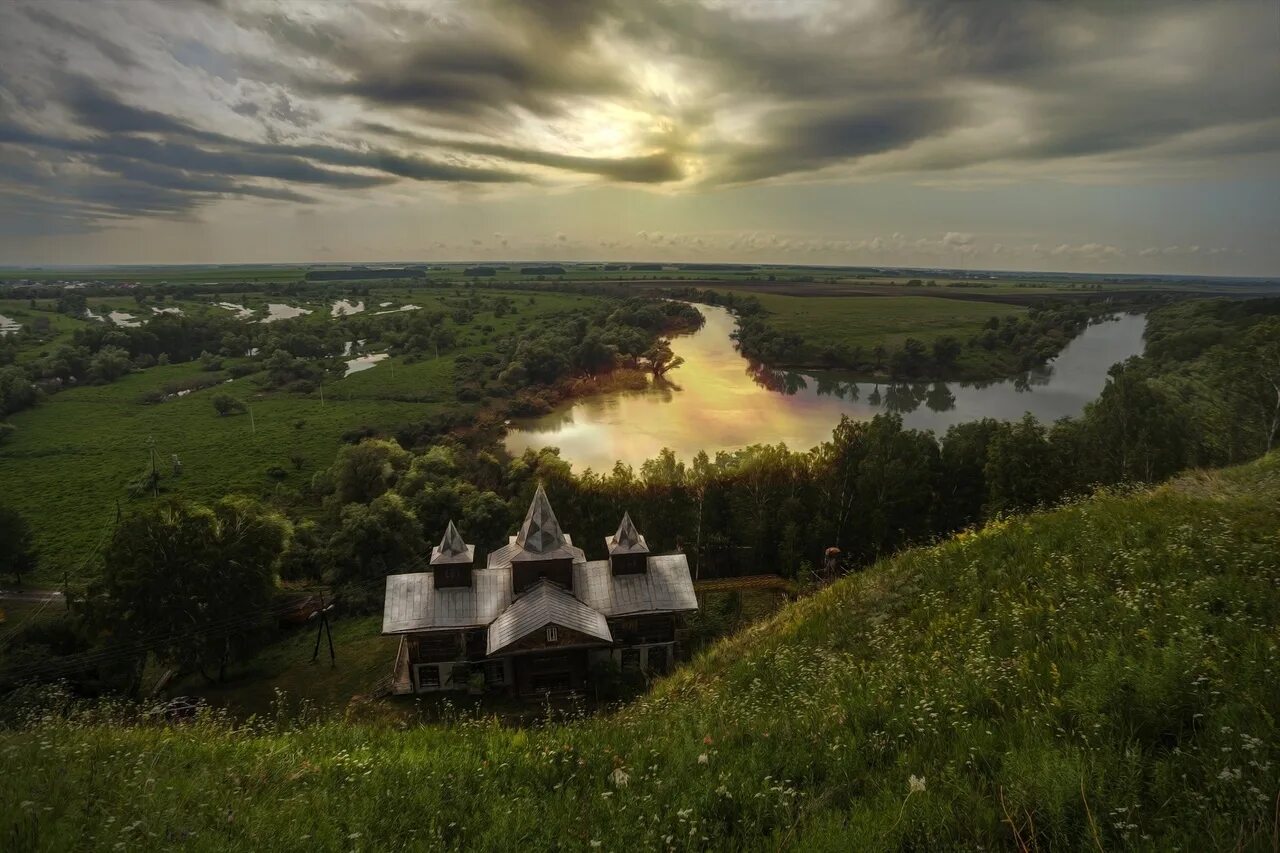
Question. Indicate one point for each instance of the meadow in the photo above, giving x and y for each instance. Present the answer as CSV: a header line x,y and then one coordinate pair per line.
x,y
1099,676
71,460
825,321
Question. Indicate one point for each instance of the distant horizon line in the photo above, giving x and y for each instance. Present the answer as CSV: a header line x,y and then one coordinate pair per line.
x,y
692,265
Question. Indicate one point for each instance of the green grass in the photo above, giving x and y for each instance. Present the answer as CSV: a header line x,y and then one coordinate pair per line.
x,y
825,321
363,657
73,456
1102,676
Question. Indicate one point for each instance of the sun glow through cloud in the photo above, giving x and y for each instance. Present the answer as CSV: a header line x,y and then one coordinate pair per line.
x,y
755,131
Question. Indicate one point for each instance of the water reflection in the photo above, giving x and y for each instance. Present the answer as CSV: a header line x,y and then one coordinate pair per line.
x,y
719,401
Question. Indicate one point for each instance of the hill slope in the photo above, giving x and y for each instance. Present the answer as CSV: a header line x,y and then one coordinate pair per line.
x,y
1099,676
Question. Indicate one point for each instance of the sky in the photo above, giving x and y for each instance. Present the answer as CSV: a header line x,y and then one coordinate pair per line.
x,y
1088,135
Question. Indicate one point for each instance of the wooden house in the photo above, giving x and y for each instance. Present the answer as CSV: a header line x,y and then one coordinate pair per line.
x,y
539,616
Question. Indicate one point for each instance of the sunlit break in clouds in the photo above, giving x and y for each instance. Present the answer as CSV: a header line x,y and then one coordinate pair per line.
x,y
1089,136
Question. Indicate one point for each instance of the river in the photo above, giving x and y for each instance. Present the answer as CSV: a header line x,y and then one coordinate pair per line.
x,y
717,401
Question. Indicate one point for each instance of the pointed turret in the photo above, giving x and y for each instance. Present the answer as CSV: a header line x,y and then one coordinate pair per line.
x,y
451,545
540,533
541,549
451,560
628,552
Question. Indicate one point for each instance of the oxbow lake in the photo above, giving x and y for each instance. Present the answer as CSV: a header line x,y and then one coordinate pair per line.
x,y
718,401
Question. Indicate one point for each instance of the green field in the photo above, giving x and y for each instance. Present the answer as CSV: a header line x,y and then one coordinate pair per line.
x,y
888,320
72,457
1096,677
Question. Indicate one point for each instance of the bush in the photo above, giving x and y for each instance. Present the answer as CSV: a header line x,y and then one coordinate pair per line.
x,y
224,404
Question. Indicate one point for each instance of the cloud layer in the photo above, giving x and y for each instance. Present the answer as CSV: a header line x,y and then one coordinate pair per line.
x,y
111,111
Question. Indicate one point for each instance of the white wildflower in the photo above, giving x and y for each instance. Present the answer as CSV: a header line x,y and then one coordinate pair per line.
x,y
703,759
916,783
619,778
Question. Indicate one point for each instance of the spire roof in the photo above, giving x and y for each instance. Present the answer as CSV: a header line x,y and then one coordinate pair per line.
x,y
452,543
627,540
540,533
452,549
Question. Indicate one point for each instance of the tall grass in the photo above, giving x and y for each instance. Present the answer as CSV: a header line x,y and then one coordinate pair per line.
x,y
1102,676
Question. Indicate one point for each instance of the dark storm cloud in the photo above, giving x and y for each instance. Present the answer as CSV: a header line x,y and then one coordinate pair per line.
x,y
505,55
809,139
95,109
148,162
472,76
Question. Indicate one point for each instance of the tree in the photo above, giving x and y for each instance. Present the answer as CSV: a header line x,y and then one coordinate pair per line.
x,y
366,470
594,355
194,580
1251,370
17,548
109,364
376,539
1021,469
661,359
945,351
17,392
224,404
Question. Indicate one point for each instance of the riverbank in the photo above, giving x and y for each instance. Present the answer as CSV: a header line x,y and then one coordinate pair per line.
x,y
895,338
719,401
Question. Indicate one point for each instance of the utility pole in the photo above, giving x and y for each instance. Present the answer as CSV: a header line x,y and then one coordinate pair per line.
x,y
323,628
155,476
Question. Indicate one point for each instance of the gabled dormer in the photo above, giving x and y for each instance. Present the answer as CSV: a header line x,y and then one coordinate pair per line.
x,y
628,552
541,549
452,559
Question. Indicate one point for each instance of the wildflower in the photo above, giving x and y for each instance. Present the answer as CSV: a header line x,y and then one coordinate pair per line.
x,y
707,740
916,783
594,843
702,759
619,778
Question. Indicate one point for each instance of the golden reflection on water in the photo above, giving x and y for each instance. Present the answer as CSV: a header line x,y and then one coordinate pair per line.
x,y
710,403
713,402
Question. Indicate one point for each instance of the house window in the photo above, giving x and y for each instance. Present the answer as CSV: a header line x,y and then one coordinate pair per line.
x,y
428,676
630,660
495,673
553,635
658,658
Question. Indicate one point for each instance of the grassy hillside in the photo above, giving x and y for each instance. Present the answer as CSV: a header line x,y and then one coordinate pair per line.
x,y
1102,676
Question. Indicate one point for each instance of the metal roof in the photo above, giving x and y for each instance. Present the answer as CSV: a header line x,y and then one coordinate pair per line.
x,y
414,604
502,557
627,540
545,604
452,549
665,586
